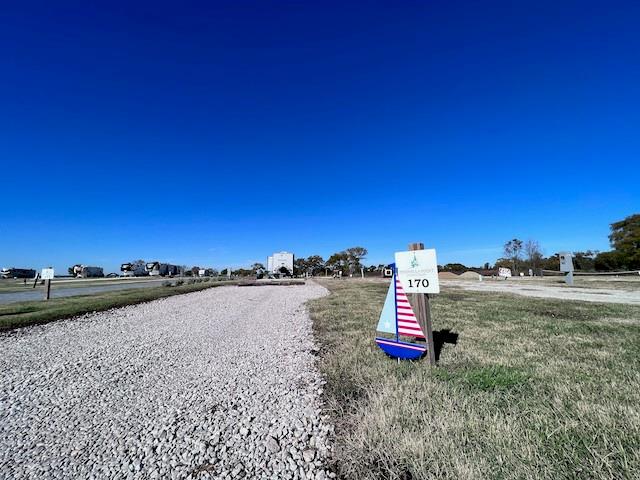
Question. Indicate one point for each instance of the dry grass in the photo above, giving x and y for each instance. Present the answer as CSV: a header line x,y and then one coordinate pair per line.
x,y
534,388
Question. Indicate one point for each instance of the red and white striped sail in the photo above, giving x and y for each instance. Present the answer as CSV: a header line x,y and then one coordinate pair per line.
x,y
407,323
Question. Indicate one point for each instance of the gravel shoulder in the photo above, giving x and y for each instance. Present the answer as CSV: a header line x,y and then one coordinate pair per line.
x,y
530,289
215,384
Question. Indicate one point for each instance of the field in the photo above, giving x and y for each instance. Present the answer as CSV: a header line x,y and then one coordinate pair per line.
x,y
524,388
22,314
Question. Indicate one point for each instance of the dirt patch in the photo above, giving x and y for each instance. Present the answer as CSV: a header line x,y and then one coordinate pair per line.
x,y
471,276
447,275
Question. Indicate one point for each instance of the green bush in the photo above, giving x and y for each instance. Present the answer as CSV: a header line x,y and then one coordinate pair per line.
x,y
179,282
167,283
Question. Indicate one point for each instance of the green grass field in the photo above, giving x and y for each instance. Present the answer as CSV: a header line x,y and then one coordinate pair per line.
x,y
23,314
532,388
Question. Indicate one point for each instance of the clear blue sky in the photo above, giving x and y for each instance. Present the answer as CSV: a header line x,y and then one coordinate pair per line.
x,y
217,133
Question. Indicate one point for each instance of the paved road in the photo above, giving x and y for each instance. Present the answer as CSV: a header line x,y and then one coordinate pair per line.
x,y
206,385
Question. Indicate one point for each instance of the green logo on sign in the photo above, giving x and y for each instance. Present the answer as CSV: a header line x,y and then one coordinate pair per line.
x,y
414,261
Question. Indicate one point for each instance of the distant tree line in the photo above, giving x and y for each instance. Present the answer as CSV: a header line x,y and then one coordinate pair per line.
x,y
520,256
347,261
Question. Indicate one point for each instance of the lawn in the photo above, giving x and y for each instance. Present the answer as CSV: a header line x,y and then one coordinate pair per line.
x,y
23,314
525,388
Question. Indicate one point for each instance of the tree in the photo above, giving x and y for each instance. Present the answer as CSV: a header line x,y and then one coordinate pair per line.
x,y
609,261
625,235
503,262
338,261
315,263
354,257
257,268
584,261
551,263
513,250
625,239
243,272
300,266
455,267
534,253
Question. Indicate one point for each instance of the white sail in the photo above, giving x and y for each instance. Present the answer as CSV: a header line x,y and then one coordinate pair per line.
x,y
387,323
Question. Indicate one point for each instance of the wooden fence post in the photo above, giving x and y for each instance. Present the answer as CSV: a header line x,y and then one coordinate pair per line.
x,y
423,313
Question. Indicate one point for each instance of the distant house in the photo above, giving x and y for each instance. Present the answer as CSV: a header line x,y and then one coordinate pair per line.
x,y
280,264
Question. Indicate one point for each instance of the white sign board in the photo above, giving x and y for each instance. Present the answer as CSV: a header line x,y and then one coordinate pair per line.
x,y
418,271
47,274
504,272
566,262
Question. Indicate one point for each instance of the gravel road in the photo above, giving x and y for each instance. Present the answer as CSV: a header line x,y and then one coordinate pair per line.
x,y
528,289
214,384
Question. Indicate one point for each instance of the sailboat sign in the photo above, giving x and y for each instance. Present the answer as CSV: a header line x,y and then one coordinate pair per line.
x,y
397,318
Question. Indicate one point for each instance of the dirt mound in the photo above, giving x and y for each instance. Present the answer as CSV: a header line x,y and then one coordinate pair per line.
x,y
469,275
447,275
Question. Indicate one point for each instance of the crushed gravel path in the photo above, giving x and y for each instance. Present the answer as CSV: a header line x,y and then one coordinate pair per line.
x,y
528,289
214,384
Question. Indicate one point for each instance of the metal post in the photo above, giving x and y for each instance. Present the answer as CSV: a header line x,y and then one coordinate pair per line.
x,y
569,278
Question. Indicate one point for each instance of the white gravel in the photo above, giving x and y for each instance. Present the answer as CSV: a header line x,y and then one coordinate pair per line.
x,y
215,384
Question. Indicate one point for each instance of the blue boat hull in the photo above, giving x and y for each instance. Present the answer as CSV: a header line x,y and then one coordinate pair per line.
x,y
403,350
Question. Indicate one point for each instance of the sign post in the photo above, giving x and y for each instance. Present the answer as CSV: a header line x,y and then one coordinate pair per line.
x,y
418,273
47,276
566,265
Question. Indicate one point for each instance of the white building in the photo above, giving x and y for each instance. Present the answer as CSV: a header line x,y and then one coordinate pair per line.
x,y
280,260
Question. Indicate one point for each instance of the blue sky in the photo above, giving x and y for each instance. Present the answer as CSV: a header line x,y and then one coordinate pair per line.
x,y
217,133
